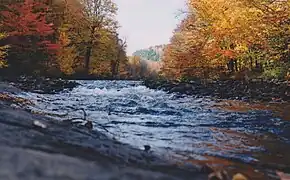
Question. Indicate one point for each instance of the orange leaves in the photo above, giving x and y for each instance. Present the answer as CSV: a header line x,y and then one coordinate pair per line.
x,y
185,50
215,31
228,53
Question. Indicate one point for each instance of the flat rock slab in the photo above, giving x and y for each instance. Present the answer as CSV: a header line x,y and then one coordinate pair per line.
x,y
25,164
67,152
7,88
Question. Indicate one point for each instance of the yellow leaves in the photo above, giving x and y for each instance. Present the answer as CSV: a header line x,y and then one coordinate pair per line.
x,y
3,52
228,18
241,48
216,30
66,60
67,52
63,39
16,100
86,25
2,35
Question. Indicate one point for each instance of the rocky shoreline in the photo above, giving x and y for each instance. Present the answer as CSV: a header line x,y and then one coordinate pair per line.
x,y
255,90
33,146
42,85
49,149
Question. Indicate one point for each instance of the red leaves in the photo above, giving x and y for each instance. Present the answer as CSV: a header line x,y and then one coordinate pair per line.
x,y
22,20
28,19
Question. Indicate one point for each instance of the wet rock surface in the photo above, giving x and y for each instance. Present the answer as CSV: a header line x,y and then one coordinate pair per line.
x,y
35,147
176,127
41,85
228,89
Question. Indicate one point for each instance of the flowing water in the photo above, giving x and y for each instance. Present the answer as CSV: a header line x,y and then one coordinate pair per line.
x,y
185,125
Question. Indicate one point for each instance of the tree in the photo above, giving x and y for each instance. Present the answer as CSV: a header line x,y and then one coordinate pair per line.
x,y
70,27
90,32
185,51
28,19
100,15
28,32
135,66
218,32
70,37
120,46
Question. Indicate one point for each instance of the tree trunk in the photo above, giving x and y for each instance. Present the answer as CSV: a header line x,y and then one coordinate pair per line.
x,y
113,68
236,65
251,63
89,50
88,57
117,65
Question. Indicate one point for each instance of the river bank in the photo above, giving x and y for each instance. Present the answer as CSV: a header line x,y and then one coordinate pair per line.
x,y
264,91
33,146
139,116
42,85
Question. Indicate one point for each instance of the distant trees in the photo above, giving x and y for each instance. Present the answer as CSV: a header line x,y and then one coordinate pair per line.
x,y
139,68
120,55
154,53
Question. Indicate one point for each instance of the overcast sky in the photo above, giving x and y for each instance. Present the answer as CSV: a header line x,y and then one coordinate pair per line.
x,y
147,22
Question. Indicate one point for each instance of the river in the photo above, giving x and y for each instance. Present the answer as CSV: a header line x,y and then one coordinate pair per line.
x,y
185,125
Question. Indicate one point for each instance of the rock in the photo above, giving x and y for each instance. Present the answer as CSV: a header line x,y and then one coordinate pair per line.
x,y
227,89
39,124
8,88
89,125
66,151
26,164
181,88
43,85
147,148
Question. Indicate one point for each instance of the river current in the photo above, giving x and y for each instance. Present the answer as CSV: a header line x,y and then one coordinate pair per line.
x,y
185,125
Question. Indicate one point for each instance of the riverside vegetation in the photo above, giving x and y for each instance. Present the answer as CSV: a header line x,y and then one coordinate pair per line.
x,y
220,41
226,49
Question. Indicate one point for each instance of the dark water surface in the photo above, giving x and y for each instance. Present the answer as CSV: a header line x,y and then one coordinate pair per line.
x,y
184,125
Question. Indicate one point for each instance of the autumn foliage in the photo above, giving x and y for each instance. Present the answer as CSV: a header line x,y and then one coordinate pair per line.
x,y
60,37
26,21
220,36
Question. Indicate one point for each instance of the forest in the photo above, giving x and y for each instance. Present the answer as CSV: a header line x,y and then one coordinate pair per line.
x,y
60,38
220,38
212,103
79,39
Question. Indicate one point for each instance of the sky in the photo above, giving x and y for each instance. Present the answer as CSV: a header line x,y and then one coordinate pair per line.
x,y
146,23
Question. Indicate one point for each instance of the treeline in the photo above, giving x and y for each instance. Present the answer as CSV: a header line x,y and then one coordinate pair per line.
x,y
154,53
75,38
141,68
222,37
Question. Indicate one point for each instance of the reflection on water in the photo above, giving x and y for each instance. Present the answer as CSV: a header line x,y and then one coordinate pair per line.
x,y
280,109
198,130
